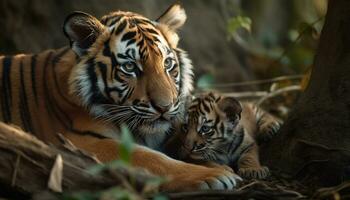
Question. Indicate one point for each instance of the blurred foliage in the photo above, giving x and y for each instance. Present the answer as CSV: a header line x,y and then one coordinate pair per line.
x,y
126,148
115,193
205,81
238,22
127,145
279,38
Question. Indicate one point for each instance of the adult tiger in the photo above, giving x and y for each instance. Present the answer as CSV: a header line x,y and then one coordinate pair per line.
x,y
124,68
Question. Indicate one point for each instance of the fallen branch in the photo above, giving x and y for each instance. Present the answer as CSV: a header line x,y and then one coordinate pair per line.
x,y
278,92
26,163
254,190
255,82
341,191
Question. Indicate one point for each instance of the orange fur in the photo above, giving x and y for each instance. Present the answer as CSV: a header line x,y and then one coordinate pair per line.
x,y
42,93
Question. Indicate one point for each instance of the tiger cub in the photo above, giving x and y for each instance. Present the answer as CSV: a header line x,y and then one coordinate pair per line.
x,y
221,130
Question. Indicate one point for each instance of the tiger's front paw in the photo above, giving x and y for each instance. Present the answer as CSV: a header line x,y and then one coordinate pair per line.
x,y
254,172
203,178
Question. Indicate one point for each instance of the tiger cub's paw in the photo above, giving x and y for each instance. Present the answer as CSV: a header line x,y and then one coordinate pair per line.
x,y
268,131
254,172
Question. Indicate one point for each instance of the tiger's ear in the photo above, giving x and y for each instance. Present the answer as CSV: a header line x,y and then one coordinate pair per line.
x,y
231,107
174,17
82,31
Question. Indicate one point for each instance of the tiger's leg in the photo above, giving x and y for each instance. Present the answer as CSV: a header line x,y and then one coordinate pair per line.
x,y
268,126
216,165
183,176
249,165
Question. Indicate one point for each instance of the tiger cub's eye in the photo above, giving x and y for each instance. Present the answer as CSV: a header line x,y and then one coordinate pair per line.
x,y
184,128
205,129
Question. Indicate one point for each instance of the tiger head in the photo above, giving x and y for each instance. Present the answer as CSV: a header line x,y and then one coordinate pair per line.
x,y
129,68
213,121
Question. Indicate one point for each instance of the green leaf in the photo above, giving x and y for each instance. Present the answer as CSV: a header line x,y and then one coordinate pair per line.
x,y
127,144
205,81
117,164
239,22
96,169
154,183
80,196
160,197
117,193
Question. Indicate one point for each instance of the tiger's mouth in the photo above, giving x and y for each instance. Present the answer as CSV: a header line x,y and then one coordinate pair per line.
x,y
141,120
160,125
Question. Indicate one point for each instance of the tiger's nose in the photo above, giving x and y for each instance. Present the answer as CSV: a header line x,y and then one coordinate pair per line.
x,y
161,108
189,145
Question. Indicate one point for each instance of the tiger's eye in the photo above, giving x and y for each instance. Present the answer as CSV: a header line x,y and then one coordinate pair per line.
x,y
168,63
128,67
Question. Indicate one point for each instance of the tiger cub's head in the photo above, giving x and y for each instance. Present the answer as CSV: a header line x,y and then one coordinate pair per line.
x,y
213,120
129,68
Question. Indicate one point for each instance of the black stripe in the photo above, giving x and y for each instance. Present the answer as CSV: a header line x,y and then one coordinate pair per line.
x,y
236,142
122,56
93,134
103,70
115,20
55,60
49,100
6,95
127,95
107,49
128,36
120,28
222,129
150,30
24,109
32,66
206,107
131,42
96,97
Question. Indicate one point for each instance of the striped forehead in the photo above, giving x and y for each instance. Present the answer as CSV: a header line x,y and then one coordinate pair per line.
x,y
200,108
132,34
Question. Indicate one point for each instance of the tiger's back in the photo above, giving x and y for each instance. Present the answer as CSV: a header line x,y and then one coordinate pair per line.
x,y
27,97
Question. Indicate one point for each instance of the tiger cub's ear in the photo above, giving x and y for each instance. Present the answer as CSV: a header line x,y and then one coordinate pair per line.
x,y
82,30
174,17
231,107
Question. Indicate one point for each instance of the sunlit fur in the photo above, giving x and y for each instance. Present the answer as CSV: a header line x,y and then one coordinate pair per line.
x,y
222,130
117,97
122,69
86,90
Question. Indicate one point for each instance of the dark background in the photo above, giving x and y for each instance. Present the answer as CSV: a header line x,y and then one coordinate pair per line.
x,y
31,26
